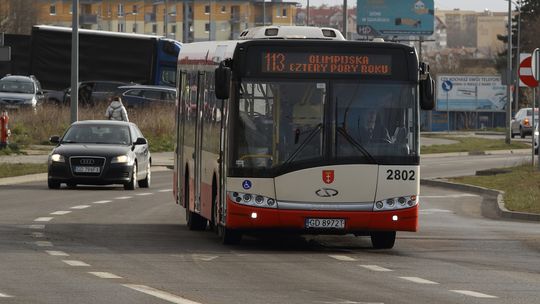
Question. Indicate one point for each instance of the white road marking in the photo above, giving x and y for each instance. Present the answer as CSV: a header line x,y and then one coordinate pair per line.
x,y
432,211
4,295
75,263
38,234
101,202
144,194
342,258
44,244
43,219
418,280
375,268
56,253
123,197
204,257
351,302
80,207
474,294
36,226
165,190
160,294
60,212
448,196
105,275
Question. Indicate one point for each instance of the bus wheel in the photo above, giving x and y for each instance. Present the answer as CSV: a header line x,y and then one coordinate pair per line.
x,y
195,221
383,239
229,236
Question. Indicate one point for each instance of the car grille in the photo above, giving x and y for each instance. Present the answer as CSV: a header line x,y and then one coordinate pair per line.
x,y
87,161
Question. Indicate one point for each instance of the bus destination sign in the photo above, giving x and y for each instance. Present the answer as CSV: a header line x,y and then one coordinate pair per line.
x,y
308,63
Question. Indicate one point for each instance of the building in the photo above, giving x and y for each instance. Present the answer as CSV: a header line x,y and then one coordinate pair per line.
x,y
328,16
182,20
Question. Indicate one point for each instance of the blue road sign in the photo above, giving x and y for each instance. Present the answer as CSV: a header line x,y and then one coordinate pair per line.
x,y
447,85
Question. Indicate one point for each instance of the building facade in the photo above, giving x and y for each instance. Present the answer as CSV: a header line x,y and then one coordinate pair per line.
x,y
182,20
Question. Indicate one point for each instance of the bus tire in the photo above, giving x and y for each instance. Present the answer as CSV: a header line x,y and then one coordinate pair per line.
x,y
229,236
383,239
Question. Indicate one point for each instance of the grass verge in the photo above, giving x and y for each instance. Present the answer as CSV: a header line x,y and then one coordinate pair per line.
x,y
10,170
471,144
521,187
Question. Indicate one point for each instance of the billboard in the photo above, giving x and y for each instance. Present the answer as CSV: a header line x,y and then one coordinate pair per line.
x,y
395,17
470,93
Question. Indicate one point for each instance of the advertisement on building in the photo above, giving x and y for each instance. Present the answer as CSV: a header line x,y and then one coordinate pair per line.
x,y
470,93
395,17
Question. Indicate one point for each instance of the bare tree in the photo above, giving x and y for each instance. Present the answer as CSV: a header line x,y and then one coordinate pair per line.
x,y
17,16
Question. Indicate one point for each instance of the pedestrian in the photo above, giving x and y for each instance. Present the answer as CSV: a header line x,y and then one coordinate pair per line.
x,y
116,110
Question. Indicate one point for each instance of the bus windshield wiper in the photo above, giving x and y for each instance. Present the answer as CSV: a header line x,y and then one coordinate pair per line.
x,y
311,134
355,144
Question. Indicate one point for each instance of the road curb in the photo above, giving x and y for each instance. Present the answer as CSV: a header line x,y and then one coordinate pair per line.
x,y
488,152
492,203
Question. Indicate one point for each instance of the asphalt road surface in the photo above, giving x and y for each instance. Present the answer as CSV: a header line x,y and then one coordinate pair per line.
x,y
107,245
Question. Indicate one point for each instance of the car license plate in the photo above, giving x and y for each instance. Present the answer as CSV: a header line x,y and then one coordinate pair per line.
x,y
325,223
86,169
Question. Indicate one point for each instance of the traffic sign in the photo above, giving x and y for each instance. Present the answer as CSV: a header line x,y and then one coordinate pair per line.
x,y
447,85
525,72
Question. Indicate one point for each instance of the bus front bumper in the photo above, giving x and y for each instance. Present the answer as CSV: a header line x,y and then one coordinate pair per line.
x,y
252,218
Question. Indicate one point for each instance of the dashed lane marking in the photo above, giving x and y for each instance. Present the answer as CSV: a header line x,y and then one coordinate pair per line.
x,y
474,294
144,194
60,212
101,202
165,190
43,219
44,244
36,227
418,280
160,294
38,234
375,268
448,196
56,253
204,257
123,197
105,275
342,258
76,263
5,295
79,207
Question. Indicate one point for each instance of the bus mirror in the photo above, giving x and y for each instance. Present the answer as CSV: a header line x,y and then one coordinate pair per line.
x,y
427,93
223,82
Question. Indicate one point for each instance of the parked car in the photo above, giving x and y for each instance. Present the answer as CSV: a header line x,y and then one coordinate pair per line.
x,y
100,152
17,91
522,123
90,93
145,95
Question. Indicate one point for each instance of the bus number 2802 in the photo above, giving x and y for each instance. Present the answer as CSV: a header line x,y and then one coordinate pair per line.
x,y
400,174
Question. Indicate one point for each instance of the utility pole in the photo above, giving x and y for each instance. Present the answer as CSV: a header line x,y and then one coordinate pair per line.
x,y
516,102
165,19
345,15
75,61
509,75
264,12
307,13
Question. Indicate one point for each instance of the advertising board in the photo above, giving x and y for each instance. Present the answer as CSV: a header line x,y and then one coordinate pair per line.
x,y
395,17
470,93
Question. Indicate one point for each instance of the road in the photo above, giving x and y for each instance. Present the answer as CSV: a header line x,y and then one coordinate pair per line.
x,y
107,245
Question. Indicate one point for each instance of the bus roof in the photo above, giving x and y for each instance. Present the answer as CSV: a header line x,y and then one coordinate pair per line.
x,y
96,32
291,32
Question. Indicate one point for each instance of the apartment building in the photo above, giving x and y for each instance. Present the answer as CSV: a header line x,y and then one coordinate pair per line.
x,y
182,20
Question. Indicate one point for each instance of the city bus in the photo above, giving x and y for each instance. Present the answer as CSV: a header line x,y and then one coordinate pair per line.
x,y
278,134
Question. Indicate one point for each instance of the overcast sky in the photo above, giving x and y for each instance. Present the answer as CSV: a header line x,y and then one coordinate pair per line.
x,y
475,5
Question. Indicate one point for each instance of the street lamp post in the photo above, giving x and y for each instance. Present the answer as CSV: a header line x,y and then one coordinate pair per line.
x,y
509,75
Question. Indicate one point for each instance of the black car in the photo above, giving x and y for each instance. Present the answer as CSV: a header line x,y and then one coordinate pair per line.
x,y
90,93
147,95
100,152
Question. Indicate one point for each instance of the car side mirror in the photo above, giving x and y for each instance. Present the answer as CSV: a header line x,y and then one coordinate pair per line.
x,y
55,139
140,141
222,78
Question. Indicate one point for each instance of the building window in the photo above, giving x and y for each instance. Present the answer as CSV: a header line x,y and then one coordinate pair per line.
x,y
278,11
173,29
207,27
223,9
284,13
134,28
154,29
52,9
121,27
207,9
120,10
135,10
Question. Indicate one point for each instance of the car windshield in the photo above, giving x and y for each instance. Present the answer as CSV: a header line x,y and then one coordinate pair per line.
x,y
97,134
9,86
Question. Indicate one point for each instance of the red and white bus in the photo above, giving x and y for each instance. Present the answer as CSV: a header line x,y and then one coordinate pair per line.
x,y
314,136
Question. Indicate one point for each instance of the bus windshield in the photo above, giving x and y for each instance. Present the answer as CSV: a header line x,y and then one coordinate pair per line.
x,y
281,125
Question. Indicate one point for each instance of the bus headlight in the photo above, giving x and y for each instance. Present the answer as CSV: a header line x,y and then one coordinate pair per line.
x,y
252,200
396,203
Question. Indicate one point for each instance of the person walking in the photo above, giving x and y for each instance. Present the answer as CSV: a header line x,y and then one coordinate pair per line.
x,y
116,110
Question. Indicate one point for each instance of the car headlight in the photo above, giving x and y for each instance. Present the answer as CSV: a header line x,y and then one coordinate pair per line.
x,y
396,203
58,158
31,101
122,159
252,200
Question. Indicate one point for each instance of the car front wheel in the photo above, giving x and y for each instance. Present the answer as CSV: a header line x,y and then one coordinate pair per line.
x,y
52,184
145,183
132,184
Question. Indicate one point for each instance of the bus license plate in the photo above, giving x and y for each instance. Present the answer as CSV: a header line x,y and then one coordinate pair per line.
x,y
325,223
83,169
